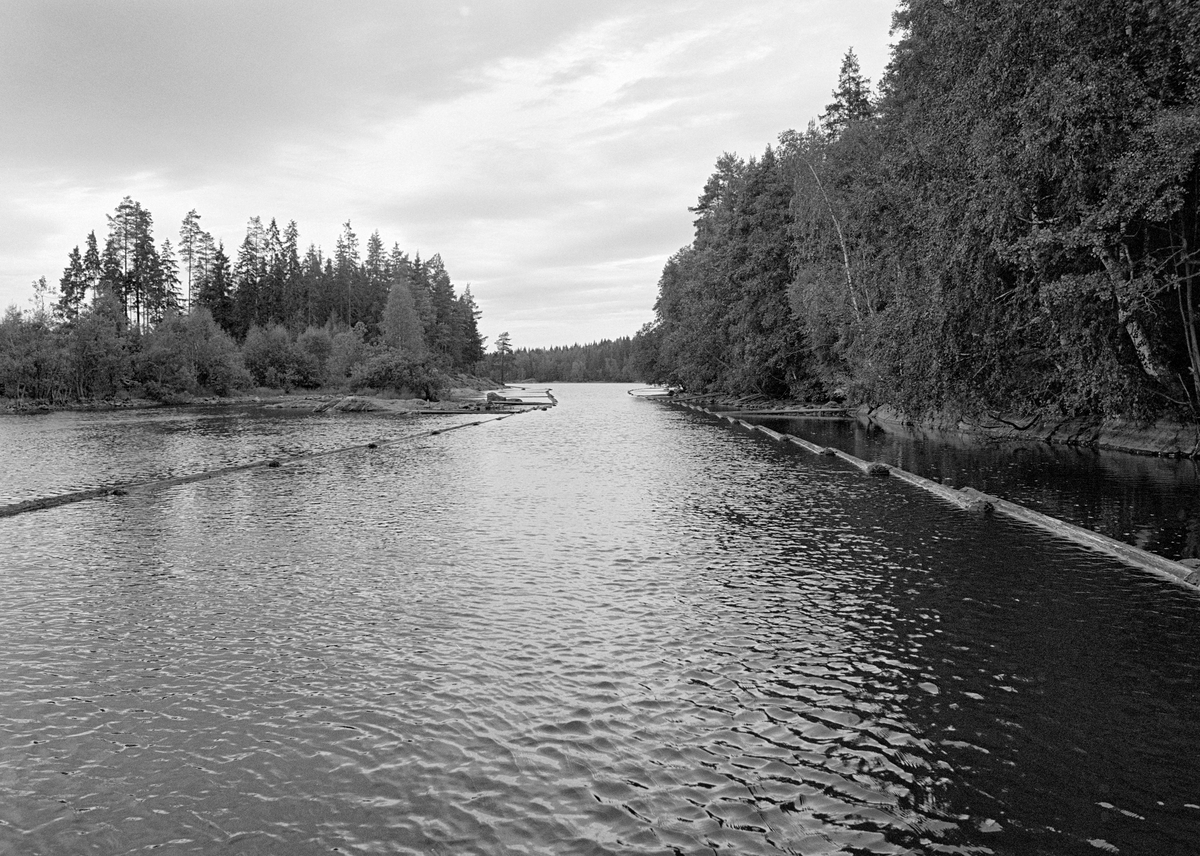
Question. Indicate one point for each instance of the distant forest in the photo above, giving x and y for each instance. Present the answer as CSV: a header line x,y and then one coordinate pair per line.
x,y
606,361
1008,223
134,318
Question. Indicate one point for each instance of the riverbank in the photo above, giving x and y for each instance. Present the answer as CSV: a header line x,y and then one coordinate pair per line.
x,y
468,393
1163,438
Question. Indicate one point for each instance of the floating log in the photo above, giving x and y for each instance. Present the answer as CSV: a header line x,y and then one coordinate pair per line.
x,y
969,499
797,412
125,488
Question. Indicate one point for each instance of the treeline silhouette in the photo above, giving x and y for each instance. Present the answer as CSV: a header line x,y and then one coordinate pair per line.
x,y
609,361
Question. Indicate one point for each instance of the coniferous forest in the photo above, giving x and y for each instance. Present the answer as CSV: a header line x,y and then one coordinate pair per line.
x,y
605,361
1007,223
134,318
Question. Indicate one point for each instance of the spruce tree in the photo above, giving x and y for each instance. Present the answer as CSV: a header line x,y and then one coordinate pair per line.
x,y
72,288
214,292
92,269
851,99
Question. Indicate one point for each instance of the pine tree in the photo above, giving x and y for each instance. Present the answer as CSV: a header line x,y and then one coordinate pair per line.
x,y
190,240
72,288
274,275
248,275
312,282
418,283
92,268
447,335
167,296
147,274
346,267
294,308
131,264
376,279
473,343
503,352
851,99
215,291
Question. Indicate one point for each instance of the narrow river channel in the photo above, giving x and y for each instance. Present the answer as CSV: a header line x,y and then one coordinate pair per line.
x,y
610,627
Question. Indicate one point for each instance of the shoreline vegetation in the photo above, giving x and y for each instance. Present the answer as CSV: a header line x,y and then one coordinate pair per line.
x,y
1008,224
464,394
140,323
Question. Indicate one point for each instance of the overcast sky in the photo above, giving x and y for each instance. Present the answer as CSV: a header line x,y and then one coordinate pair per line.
x,y
547,149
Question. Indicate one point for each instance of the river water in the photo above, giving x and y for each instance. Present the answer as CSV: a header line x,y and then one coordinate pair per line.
x,y
610,627
1150,502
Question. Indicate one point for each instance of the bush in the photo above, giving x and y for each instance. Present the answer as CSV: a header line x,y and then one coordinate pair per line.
x,y
392,370
349,351
99,350
189,353
270,357
32,361
218,364
315,347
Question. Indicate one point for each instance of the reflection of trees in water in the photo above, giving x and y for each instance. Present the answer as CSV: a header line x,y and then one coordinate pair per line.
x,y
1191,523
1147,501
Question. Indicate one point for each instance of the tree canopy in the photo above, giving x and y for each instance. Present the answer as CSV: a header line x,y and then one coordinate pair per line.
x,y
159,321
1009,223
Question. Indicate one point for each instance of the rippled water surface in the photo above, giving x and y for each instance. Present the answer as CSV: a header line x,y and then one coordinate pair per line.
x,y
611,627
1151,502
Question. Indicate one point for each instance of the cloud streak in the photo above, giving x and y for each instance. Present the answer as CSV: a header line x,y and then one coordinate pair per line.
x,y
548,151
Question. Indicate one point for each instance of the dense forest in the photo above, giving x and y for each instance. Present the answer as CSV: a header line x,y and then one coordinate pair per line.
x,y
607,361
1008,223
136,318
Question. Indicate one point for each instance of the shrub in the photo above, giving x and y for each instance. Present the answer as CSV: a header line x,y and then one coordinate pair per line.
x,y
349,351
315,347
392,370
270,357
189,353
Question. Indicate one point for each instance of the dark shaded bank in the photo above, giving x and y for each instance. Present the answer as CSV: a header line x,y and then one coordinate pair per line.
x,y
1164,437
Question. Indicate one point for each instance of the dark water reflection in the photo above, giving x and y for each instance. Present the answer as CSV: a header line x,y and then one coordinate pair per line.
x,y
1151,502
612,627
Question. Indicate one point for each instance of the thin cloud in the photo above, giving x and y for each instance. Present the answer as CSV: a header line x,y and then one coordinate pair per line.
x,y
537,146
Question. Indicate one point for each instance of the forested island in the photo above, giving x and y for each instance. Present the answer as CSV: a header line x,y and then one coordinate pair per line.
x,y
1008,224
132,318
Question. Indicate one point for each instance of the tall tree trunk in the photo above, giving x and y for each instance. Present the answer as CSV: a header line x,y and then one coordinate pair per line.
x,y
1188,316
841,241
1138,337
